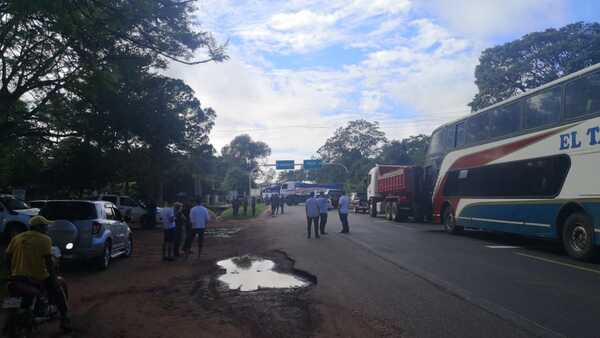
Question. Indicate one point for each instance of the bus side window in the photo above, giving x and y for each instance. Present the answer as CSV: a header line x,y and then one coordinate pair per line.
x,y
450,135
460,134
543,108
506,119
478,127
583,96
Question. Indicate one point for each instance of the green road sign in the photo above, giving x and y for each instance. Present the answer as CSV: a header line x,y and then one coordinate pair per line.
x,y
312,164
283,165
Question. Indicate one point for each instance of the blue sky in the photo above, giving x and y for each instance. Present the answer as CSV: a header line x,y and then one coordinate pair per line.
x,y
301,68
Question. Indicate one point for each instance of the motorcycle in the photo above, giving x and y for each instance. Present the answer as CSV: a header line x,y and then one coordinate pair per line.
x,y
28,303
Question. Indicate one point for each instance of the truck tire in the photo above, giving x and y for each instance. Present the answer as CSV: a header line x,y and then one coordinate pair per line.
x,y
578,237
394,210
373,209
388,210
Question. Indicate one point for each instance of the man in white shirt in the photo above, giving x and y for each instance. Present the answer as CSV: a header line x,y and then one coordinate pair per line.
x,y
199,220
168,220
344,204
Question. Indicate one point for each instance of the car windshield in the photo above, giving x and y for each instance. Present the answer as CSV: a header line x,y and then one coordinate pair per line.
x,y
69,210
13,203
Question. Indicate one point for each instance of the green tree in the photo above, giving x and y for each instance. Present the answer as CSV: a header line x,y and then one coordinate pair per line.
x,y
408,151
533,60
359,138
238,158
49,46
355,146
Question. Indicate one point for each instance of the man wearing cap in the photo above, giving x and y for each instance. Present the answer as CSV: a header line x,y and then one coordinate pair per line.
x,y
29,258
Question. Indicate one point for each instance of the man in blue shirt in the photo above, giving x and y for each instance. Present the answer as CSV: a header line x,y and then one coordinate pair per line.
x,y
344,203
312,214
323,211
199,220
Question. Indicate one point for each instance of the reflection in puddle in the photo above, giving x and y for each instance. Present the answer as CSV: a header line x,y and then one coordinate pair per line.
x,y
252,273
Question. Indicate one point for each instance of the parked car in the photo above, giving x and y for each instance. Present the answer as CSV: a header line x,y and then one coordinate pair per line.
x,y
88,230
132,210
334,196
14,216
359,202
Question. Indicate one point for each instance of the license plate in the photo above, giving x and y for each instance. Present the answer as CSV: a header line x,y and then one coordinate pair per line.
x,y
12,303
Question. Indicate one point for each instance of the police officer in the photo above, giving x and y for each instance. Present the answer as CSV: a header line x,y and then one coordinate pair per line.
x,y
323,211
312,214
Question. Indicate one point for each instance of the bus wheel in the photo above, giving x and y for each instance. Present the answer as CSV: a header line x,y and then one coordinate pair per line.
x,y
578,236
450,222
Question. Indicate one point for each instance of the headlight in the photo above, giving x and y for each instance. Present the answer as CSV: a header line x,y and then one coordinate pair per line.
x,y
69,246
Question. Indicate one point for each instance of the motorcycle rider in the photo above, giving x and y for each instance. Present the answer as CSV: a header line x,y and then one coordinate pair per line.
x,y
29,258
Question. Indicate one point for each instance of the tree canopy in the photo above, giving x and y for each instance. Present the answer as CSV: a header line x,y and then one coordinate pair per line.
x,y
533,60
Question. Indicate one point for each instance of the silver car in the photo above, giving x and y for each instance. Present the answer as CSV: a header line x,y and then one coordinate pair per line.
x,y
90,230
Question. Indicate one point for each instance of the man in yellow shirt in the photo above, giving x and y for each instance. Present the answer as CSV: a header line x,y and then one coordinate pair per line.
x,y
29,257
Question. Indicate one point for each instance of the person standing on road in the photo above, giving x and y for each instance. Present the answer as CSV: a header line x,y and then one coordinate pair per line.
x,y
344,208
253,204
180,225
281,203
168,218
245,205
323,211
312,215
235,204
275,203
199,219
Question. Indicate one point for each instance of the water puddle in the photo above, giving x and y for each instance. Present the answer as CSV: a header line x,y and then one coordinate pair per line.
x,y
247,273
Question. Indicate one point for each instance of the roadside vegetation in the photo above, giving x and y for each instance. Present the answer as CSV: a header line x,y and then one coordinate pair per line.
x,y
228,214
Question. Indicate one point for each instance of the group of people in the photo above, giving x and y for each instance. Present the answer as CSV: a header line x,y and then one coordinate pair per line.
x,y
317,210
181,220
277,203
238,202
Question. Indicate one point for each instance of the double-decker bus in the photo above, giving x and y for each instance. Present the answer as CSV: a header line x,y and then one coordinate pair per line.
x,y
528,165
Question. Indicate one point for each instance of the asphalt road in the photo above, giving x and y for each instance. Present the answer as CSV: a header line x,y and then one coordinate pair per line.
x,y
416,280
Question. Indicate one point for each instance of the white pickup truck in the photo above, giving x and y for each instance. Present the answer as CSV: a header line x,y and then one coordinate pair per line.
x,y
14,216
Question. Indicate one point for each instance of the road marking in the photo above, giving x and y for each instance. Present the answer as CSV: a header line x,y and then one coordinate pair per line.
x,y
502,247
548,260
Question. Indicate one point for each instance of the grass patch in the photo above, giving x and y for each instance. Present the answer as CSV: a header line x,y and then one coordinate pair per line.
x,y
228,214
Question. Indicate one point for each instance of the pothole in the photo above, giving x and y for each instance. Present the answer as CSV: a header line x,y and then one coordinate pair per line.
x,y
250,273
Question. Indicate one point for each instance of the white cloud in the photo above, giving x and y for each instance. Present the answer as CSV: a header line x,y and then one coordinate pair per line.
x,y
485,18
266,105
417,71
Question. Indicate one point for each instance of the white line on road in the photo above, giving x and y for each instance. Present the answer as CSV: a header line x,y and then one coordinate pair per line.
x,y
548,260
502,247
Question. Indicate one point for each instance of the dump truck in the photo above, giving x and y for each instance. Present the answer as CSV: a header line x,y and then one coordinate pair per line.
x,y
396,191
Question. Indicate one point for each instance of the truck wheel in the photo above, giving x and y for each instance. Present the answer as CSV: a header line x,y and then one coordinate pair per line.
x,y
578,236
388,211
450,222
373,209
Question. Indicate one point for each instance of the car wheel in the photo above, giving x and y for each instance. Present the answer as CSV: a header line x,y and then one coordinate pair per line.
x,y
104,260
450,222
129,247
578,236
